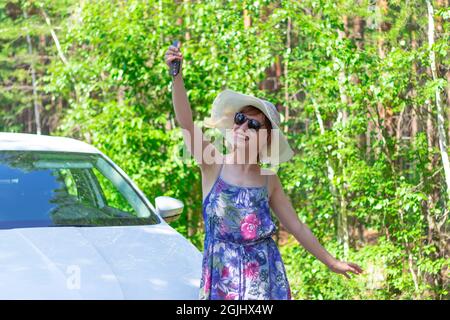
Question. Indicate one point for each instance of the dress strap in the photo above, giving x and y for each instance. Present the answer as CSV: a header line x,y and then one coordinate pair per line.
x,y
220,171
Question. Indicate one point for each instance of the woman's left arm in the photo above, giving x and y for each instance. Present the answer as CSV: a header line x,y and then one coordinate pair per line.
x,y
283,209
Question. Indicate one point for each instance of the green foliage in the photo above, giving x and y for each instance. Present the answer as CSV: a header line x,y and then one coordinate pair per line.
x,y
19,19
385,274
115,93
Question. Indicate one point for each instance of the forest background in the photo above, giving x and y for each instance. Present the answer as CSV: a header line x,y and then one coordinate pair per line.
x,y
363,88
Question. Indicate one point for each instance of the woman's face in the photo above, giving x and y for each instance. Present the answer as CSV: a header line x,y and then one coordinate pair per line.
x,y
244,137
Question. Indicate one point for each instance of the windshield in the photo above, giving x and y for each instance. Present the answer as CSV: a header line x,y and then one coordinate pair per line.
x,y
40,189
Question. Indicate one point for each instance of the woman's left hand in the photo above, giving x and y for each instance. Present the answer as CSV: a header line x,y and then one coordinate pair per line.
x,y
343,267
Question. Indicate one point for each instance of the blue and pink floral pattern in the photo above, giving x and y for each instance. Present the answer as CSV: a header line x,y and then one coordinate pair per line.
x,y
241,261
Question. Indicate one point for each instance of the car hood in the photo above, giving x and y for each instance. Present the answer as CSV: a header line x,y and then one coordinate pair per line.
x,y
131,262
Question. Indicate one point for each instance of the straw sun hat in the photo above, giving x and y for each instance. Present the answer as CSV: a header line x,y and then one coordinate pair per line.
x,y
225,106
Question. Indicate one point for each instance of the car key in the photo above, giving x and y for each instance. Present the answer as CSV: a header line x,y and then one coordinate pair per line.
x,y
175,64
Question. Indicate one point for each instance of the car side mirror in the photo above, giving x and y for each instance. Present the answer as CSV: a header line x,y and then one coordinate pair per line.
x,y
169,208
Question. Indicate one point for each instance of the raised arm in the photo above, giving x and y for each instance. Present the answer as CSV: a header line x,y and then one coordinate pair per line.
x,y
192,134
283,209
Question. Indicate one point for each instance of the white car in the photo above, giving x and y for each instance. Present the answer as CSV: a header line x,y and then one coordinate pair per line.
x,y
74,226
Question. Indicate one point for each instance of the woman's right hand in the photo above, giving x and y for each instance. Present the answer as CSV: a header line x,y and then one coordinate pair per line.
x,y
173,53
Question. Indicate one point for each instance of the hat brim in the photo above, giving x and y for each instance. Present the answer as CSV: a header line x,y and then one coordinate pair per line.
x,y
228,102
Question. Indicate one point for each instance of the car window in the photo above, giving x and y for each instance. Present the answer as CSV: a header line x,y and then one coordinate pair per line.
x,y
39,189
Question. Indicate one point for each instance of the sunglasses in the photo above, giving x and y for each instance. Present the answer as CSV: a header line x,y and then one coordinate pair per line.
x,y
240,118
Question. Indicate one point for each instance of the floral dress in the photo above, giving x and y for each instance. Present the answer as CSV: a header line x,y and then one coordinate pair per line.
x,y
241,261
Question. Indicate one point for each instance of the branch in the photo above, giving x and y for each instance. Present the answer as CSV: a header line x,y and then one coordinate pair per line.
x,y
55,38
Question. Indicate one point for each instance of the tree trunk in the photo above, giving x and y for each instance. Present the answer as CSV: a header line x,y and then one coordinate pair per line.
x,y
286,82
384,112
330,170
343,234
414,109
438,222
442,137
37,116
359,24
187,34
447,75
247,19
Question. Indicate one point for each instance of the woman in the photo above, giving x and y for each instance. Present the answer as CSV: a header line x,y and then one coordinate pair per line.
x,y
241,260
